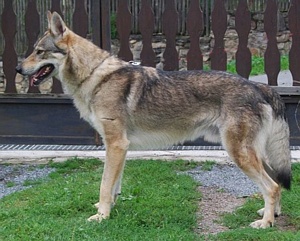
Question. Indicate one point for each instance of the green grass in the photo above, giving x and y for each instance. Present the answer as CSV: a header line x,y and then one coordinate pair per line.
x,y
257,64
156,203
10,184
208,165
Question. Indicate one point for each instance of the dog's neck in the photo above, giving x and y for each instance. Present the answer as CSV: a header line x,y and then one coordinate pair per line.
x,y
80,60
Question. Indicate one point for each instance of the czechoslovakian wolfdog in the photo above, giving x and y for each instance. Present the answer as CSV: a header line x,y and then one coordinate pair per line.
x,y
137,107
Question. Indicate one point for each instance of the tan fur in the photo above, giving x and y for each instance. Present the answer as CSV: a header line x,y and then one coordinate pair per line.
x,y
141,107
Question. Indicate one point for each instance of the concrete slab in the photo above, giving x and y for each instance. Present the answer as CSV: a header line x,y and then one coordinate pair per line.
x,y
42,157
284,79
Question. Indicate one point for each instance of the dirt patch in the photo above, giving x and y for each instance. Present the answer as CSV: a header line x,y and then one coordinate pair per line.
x,y
213,204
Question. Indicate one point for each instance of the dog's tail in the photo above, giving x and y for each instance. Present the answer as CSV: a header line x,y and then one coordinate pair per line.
x,y
278,162
278,152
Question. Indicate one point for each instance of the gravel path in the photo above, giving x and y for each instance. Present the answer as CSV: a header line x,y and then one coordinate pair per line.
x,y
12,177
227,177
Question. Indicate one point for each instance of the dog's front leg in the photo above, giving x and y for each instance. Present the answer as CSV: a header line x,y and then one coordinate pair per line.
x,y
116,148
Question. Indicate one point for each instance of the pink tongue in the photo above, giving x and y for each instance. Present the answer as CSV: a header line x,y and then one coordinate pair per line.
x,y
31,80
34,77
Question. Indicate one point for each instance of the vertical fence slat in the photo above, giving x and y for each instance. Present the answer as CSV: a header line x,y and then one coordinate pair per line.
x,y
146,24
32,28
272,55
170,26
194,25
219,27
101,25
55,6
10,58
105,25
294,55
243,26
80,19
124,29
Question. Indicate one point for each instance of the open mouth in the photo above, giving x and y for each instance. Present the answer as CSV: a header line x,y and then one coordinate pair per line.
x,y
41,74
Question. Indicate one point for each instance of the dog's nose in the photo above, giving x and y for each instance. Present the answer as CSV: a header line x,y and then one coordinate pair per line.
x,y
19,69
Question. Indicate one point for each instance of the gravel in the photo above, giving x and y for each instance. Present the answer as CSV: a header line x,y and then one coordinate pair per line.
x,y
12,177
227,177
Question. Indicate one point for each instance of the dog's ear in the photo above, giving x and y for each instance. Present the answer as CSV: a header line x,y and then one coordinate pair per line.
x,y
49,16
56,25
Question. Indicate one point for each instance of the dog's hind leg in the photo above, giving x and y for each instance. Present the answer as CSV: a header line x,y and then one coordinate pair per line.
x,y
116,147
277,206
238,143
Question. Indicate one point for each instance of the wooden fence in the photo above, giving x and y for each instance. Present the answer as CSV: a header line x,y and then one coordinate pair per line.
x,y
194,21
158,6
26,124
183,6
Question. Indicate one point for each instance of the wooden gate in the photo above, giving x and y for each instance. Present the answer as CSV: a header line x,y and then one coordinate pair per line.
x,y
27,115
50,118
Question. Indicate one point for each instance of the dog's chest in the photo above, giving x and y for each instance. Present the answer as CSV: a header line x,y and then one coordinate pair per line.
x,y
82,105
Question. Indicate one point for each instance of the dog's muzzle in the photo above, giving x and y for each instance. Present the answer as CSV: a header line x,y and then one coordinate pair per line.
x,y
19,69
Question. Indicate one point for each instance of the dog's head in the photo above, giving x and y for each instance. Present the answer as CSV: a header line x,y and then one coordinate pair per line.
x,y
49,52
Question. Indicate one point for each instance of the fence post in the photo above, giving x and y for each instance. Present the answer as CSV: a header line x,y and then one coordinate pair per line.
x,y
272,55
243,26
294,55
146,24
56,86
10,58
194,25
124,29
170,27
219,27
80,19
32,28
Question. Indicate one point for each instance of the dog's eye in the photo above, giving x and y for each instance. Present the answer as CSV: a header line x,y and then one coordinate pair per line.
x,y
38,52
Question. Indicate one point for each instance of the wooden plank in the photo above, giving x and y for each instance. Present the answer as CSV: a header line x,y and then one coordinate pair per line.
x,y
146,25
105,25
243,26
23,122
294,55
195,28
272,55
170,26
96,22
32,28
290,91
56,86
124,29
219,26
9,56
80,19
101,25
55,6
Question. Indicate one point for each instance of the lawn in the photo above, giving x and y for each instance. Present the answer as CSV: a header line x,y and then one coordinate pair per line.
x,y
157,203
257,65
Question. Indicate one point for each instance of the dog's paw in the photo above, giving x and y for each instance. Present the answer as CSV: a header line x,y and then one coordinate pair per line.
x,y
97,205
261,224
96,218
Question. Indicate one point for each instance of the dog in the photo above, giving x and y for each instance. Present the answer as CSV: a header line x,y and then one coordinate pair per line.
x,y
135,107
